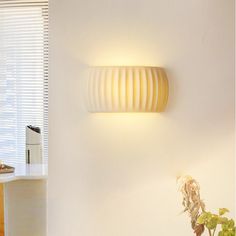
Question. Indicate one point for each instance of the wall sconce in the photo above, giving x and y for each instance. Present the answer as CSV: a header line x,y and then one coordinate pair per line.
x,y
127,89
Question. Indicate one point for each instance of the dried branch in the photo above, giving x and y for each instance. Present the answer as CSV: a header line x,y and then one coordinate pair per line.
x,y
192,202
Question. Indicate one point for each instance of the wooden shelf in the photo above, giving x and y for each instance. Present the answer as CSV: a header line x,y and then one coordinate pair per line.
x,y
25,171
23,198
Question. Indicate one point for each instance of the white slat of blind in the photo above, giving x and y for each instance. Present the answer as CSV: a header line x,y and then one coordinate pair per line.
x,y
23,75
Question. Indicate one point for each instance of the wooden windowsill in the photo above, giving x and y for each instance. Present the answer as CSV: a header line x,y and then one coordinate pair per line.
x,y
25,172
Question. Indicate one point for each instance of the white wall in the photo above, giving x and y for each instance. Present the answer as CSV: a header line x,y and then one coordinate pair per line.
x,y
114,174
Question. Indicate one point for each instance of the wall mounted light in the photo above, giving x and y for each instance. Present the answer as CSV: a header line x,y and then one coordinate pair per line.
x,y
127,89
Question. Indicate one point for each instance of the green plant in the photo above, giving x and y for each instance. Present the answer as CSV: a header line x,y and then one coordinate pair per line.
x,y
200,218
211,221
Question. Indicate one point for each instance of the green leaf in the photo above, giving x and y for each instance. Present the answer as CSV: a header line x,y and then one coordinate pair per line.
x,y
201,220
225,227
227,233
223,233
231,233
222,211
234,230
222,220
212,223
231,224
204,217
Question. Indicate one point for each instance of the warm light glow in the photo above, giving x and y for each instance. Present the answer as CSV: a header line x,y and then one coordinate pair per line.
x,y
127,89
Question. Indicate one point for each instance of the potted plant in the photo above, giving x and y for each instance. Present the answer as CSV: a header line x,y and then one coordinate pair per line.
x,y
201,219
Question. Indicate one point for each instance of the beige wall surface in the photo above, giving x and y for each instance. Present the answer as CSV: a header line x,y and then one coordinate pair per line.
x,y
114,174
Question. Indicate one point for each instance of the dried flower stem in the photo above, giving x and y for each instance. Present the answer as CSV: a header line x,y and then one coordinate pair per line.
x,y
192,202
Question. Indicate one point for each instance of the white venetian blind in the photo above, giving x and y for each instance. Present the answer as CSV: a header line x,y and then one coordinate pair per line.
x,y
23,75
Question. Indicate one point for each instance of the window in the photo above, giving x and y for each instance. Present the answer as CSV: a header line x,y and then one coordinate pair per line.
x,y
23,75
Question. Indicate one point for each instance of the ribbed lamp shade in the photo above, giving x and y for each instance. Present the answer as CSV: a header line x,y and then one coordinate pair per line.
x,y
127,89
